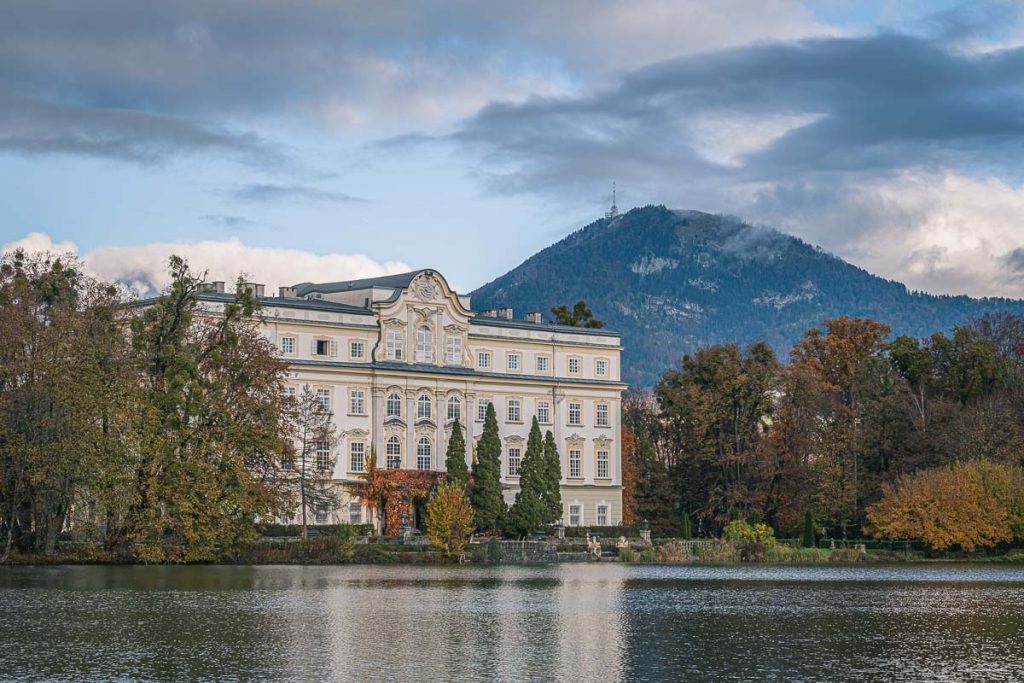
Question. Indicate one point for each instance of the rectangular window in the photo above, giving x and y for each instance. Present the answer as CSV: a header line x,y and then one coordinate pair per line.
x,y
453,349
575,518
574,366
287,344
602,415
543,412
575,463
324,347
358,402
515,412
601,368
321,514
515,459
602,515
323,455
542,363
357,350
575,413
602,464
481,408
355,513
513,360
357,450
483,360
323,397
289,392
394,340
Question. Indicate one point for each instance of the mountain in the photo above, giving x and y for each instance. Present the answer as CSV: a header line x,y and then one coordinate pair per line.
x,y
671,281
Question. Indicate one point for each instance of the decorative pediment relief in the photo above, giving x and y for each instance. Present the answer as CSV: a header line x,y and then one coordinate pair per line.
x,y
514,439
394,322
394,429
424,314
575,440
425,288
603,442
357,433
425,428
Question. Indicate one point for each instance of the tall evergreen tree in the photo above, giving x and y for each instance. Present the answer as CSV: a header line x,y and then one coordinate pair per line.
x,y
686,527
530,510
485,497
455,457
552,480
808,541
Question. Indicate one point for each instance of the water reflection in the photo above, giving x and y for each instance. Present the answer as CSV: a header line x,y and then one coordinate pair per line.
x,y
567,623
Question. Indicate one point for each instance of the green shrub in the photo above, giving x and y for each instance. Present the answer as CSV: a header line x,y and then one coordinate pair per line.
x,y
628,555
373,553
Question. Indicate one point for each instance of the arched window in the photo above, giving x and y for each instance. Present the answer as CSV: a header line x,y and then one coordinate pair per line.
x,y
394,407
424,345
423,454
454,408
394,453
423,407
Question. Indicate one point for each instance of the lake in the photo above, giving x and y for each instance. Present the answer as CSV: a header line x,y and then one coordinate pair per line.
x,y
569,622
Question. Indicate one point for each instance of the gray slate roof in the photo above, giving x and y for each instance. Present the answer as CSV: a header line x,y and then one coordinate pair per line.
x,y
399,281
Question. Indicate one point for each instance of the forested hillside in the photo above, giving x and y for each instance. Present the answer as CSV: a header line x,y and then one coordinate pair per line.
x,y
672,281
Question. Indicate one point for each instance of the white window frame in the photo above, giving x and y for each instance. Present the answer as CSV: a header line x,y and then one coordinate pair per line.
x,y
575,413
394,344
603,512
602,460
393,408
424,344
601,367
515,460
423,454
421,401
357,402
544,412
574,365
330,348
453,349
514,362
323,397
481,408
357,349
543,364
575,514
602,418
322,453
575,463
289,392
357,456
514,410
483,360
393,453
355,513
288,345
454,408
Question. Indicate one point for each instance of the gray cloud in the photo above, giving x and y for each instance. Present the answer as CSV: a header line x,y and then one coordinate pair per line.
x,y
1015,262
266,192
228,221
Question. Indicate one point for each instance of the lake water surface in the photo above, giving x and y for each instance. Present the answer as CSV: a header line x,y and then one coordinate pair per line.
x,y
567,622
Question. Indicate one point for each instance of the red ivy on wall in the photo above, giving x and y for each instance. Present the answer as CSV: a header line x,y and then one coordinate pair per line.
x,y
394,491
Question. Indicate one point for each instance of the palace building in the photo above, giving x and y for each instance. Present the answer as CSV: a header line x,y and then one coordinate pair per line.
x,y
397,359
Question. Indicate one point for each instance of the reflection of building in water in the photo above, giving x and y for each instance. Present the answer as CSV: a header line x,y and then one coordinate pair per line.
x,y
398,359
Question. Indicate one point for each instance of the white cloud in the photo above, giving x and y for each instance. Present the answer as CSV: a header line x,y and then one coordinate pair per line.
x,y
143,267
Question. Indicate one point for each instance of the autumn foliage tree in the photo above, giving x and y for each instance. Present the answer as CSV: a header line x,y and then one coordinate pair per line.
x,y
449,519
966,505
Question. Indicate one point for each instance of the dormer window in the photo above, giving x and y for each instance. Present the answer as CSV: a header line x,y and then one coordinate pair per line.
x,y
424,345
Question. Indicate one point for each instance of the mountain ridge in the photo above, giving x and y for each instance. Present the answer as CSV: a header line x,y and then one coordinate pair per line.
x,y
672,280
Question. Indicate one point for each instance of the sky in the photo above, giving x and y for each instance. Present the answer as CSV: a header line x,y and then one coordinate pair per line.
x,y
312,141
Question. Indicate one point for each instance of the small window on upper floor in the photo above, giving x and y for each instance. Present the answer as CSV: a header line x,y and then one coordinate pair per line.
x,y
543,363
481,408
357,350
601,367
288,345
514,361
514,410
601,415
544,412
483,360
357,405
575,365
394,343
453,349
325,347
575,413
323,397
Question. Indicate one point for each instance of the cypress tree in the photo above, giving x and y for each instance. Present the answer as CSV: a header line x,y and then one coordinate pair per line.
x,y
485,497
552,480
530,510
754,518
686,527
808,541
455,457
734,514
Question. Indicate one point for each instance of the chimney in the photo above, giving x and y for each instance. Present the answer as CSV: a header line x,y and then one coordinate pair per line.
x,y
286,292
505,313
254,287
534,317
215,286
490,313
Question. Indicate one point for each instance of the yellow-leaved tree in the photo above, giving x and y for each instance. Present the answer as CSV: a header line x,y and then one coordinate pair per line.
x,y
970,505
449,519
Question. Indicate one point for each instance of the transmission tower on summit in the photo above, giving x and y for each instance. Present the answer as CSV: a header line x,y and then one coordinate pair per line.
x,y
614,211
